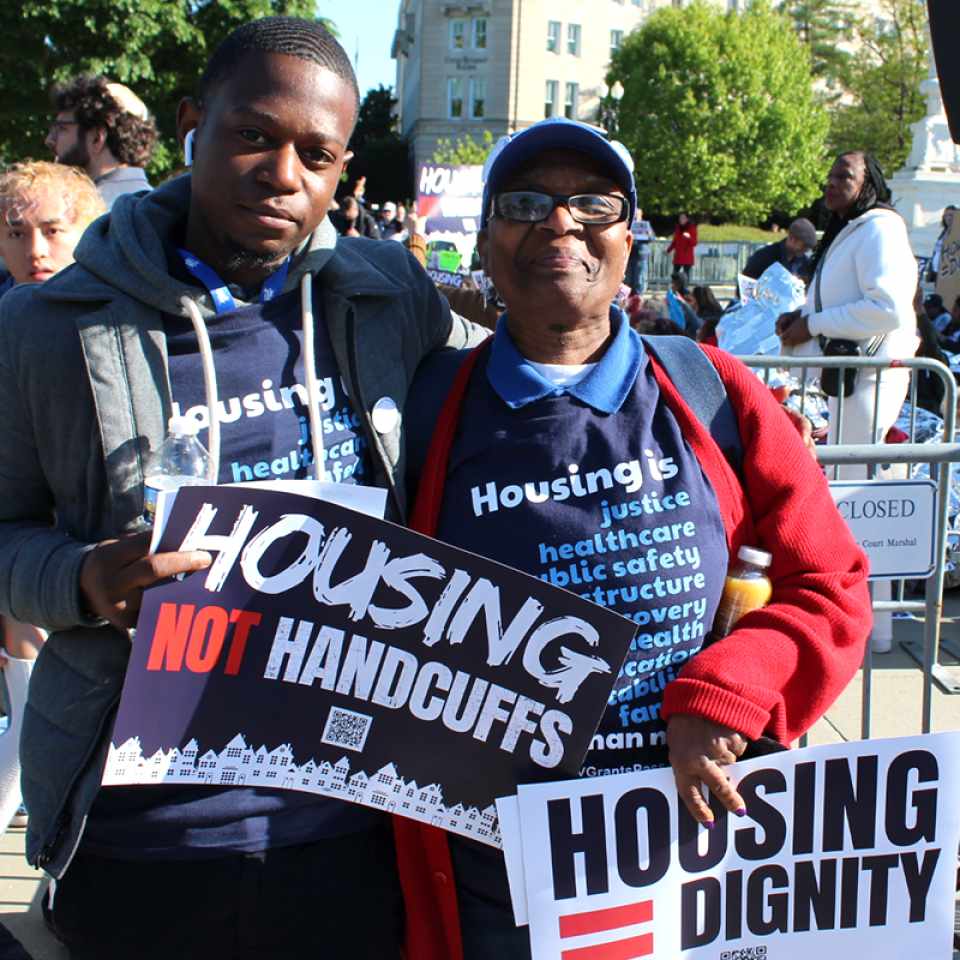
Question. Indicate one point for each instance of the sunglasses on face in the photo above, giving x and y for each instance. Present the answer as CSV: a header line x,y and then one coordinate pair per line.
x,y
526,206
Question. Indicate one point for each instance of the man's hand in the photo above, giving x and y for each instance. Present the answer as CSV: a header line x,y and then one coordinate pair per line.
x,y
793,329
699,749
115,572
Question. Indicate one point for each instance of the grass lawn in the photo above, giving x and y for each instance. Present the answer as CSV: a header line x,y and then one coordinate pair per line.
x,y
731,233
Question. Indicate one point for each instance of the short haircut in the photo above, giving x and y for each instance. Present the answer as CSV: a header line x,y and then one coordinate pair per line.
x,y
292,36
132,139
23,185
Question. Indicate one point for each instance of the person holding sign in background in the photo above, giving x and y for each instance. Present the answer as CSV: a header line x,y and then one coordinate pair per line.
x,y
565,450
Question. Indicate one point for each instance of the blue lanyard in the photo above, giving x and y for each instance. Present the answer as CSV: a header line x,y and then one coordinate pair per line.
x,y
222,297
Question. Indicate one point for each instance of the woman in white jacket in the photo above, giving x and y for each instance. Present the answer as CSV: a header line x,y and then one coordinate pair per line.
x,y
864,279
862,288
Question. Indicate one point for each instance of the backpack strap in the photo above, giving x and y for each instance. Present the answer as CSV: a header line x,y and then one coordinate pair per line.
x,y
437,394
698,382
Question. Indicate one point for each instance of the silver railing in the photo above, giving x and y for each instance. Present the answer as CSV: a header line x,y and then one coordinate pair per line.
x,y
940,456
718,264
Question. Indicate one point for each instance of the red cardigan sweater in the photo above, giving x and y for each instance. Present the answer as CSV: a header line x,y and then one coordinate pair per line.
x,y
777,673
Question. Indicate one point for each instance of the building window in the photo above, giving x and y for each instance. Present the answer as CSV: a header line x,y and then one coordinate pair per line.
x,y
573,39
457,34
553,36
552,94
478,94
570,101
480,34
616,42
455,97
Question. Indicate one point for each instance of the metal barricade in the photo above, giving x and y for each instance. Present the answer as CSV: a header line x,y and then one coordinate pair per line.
x,y
939,456
718,264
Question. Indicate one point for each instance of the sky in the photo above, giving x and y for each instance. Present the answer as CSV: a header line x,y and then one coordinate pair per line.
x,y
366,29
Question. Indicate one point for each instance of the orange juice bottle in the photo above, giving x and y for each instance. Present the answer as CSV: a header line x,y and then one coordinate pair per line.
x,y
747,587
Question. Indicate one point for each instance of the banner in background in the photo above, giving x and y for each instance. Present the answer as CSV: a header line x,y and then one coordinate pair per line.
x,y
450,197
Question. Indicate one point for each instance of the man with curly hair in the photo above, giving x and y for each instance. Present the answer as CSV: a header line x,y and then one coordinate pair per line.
x,y
106,129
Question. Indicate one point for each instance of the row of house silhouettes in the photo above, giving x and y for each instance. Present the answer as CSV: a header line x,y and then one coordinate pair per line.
x,y
239,764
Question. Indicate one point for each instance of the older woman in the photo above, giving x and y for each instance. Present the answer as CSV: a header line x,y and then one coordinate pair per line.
x,y
864,279
862,288
568,405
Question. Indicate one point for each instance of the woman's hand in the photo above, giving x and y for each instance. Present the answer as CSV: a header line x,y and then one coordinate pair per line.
x,y
792,329
699,749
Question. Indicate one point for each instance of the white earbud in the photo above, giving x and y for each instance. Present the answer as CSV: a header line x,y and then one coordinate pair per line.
x,y
188,148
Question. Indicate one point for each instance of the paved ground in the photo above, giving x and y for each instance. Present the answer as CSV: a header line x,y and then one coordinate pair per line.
x,y
897,687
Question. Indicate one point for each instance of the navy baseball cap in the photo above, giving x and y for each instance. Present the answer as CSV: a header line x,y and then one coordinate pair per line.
x,y
550,134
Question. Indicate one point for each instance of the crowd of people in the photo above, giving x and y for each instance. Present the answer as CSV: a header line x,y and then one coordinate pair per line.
x,y
266,246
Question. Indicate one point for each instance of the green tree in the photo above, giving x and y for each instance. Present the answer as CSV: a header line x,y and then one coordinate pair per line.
x,y
882,85
376,120
718,113
467,151
822,25
379,152
156,47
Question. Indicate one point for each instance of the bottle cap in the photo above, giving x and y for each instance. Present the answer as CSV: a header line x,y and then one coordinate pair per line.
x,y
185,426
753,555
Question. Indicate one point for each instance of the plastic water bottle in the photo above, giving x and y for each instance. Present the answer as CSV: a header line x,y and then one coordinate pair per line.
x,y
747,587
180,461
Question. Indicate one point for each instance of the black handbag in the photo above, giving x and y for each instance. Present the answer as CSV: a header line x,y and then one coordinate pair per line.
x,y
830,377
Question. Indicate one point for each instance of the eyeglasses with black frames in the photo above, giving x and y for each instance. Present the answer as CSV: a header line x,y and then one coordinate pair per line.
x,y
527,206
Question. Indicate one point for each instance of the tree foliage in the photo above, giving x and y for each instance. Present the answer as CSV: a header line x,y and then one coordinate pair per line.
x,y
379,152
156,47
467,151
822,26
718,113
882,85
376,120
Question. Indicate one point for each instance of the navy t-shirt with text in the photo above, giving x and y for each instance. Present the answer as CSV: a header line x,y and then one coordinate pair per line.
x,y
265,435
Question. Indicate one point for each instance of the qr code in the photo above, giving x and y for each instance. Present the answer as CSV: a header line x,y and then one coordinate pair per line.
x,y
346,729
746,953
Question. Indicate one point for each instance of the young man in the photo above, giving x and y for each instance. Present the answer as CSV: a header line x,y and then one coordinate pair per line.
x,y
105,129
44,209
194,872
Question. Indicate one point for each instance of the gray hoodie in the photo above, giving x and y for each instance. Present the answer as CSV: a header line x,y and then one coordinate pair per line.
x,y
85,394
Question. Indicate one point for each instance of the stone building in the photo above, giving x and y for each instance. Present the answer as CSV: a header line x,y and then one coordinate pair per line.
x,y
466,66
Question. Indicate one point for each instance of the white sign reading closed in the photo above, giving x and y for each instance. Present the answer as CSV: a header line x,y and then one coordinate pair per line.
x,y
894,521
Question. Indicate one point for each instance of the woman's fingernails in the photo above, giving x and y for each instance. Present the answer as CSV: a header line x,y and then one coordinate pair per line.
x,y
709,824
741,811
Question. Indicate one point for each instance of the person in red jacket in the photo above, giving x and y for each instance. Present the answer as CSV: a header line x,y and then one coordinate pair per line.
x,y
684,245
567,414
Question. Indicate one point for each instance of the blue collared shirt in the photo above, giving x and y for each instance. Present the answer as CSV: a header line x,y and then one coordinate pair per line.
x,y
604,389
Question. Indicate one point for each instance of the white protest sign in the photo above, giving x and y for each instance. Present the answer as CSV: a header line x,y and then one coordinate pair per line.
x,y
894,521
847,850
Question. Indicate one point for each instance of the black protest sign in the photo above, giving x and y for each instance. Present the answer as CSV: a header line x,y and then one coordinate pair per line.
x,y
331,652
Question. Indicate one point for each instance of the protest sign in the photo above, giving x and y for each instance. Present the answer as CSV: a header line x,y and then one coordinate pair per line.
x,y
948,273
847,850
335,653
449,196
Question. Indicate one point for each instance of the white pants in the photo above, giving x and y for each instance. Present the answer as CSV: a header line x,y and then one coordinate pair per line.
x,y
858,427
858,414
